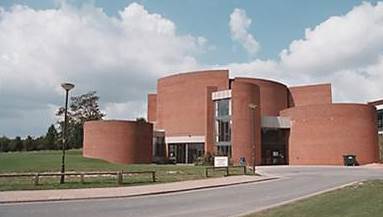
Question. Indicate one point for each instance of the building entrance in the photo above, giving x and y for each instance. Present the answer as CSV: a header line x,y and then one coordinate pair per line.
x,y
274,146
186,152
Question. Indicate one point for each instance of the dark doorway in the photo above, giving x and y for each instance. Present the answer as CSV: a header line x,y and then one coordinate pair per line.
x,y
274,146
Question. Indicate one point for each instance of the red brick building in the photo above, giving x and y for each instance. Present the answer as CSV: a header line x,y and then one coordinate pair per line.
x,y
124,142
203,112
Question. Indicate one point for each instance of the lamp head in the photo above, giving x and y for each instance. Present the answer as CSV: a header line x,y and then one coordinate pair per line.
x,y
252,106
67,86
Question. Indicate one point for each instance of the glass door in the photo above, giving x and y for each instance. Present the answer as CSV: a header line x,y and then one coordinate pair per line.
x,y
195,150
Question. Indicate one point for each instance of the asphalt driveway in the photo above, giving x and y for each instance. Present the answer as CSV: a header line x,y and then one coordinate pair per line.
x,y
295,182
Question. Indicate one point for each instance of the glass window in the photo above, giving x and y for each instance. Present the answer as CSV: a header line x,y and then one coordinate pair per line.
x,y
380,119
223,127
223,107
223,123
223,131
224,151
195,151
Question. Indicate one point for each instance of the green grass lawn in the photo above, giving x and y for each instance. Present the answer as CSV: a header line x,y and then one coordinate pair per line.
x,y
359,200
50,161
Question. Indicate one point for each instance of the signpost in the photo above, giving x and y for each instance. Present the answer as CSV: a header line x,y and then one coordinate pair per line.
x,y
221,161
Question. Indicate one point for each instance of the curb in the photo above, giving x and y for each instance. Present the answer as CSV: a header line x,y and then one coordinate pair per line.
x,y
138,195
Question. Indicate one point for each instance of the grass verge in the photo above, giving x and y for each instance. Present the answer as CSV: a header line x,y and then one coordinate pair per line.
x,y
362,199
50,161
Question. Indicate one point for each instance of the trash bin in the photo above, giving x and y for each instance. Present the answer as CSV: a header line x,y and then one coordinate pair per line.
x,y
349,160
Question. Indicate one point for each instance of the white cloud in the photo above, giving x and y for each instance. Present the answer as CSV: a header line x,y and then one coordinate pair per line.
x,y
344,50
119,57
126,110
239,24
341,42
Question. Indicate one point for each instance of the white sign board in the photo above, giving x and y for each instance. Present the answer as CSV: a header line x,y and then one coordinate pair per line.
x,y
221,161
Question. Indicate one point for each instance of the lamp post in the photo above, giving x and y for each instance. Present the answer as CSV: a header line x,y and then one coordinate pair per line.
x,y
252,108
67,87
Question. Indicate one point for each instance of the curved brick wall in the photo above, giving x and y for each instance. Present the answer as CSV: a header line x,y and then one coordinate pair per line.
x,y
322,134
181,101
118,141
274,95
243,128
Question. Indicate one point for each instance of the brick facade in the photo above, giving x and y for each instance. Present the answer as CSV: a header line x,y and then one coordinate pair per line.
x,y
118,141
311,129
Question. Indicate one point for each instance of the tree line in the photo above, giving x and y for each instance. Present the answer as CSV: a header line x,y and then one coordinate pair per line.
x,y
82,108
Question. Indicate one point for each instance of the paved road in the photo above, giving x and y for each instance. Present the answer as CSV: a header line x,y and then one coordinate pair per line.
x,y
226,201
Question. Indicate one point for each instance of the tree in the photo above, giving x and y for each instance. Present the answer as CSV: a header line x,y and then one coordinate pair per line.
x,y
4,144
16,144
40,143
82,108
51,138
141,120
29,144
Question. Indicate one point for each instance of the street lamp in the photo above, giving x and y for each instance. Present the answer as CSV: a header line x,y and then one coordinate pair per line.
x,y
253,107
67,87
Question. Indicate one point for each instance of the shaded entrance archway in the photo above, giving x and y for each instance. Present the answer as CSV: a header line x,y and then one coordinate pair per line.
x,y
275,146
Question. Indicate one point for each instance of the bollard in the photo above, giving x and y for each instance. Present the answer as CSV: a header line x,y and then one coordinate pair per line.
x,y
36,180
207,172
154,176
227,171
119,178
244,170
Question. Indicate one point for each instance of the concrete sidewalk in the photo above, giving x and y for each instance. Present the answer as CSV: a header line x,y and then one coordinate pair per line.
x,y
115,192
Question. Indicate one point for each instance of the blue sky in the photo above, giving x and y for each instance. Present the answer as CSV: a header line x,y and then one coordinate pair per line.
x,y
120,49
